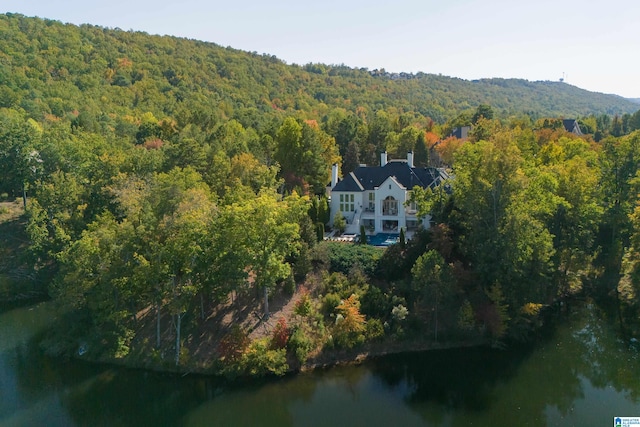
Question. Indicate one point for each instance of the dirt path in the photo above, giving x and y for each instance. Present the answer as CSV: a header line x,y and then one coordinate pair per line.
x,y
245,311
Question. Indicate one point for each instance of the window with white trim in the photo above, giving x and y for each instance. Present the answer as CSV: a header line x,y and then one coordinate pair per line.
x,y
347,203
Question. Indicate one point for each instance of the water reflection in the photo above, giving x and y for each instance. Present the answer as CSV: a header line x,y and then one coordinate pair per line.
x,y
579,374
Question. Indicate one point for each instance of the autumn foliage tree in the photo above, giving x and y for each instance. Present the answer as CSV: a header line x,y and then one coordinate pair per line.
x,y
350,323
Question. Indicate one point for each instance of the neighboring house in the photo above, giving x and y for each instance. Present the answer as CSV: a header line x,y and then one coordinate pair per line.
x,y
572,126
375,196
461,132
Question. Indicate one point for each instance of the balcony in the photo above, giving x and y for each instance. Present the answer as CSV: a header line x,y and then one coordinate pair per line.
x,y
390,211
369,211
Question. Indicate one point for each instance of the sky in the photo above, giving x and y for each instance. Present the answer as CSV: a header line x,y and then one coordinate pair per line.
x,y
592,45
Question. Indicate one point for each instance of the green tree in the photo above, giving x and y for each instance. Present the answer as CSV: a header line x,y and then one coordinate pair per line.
x,y
272,234
19,158
351,158
483,111
502,206
183,234
431,278
339,223
620,161
302,155
57,215
574,170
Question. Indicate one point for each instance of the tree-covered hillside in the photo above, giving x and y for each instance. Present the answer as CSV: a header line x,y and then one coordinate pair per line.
x,y
164,181
49,68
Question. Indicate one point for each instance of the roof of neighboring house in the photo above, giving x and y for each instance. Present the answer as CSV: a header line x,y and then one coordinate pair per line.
x,y
369,177
461,132
572,125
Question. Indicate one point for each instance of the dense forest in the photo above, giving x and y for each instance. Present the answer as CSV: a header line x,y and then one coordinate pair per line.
x,y
166,179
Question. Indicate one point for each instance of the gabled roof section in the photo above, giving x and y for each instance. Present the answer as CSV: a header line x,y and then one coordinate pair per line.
x,y
395,180
349,184
368,178
431,177
571,125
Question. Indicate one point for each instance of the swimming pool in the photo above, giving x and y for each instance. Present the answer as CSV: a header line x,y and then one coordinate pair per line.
x,y
383,239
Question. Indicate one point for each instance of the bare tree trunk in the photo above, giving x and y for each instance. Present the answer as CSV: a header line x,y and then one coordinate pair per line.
x,y
266,303
158,325
178,327
436,334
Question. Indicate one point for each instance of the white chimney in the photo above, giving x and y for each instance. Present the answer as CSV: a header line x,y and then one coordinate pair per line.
x,y
334,175
410,159
383,158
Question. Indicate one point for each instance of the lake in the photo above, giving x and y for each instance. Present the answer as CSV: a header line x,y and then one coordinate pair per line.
x,y
578,373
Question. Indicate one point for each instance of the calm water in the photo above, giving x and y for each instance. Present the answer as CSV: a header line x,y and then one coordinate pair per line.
x,y
579,375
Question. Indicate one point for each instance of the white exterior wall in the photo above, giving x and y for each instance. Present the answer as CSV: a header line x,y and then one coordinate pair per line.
x,y
362,215
353,218
390,187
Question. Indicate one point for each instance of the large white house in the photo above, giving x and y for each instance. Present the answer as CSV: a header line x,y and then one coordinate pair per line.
x,y
376,196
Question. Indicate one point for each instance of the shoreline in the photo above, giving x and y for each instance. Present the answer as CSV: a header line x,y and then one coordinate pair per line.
x,y
326,360
357,356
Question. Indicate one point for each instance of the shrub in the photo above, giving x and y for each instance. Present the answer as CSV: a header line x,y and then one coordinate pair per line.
x,y
300,344
233,345
374,330
302,263
339,223
329,303
320,256
280,334
375,303
290,285
334,283
343,257
466,317
320,231
344,286
399,312
304,306
259,360
396,261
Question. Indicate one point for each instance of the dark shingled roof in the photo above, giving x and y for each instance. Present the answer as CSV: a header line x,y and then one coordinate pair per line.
x,y
571,125
461,132
370,177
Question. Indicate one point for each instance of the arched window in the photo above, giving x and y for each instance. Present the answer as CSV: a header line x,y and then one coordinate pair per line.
x,y
389,206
